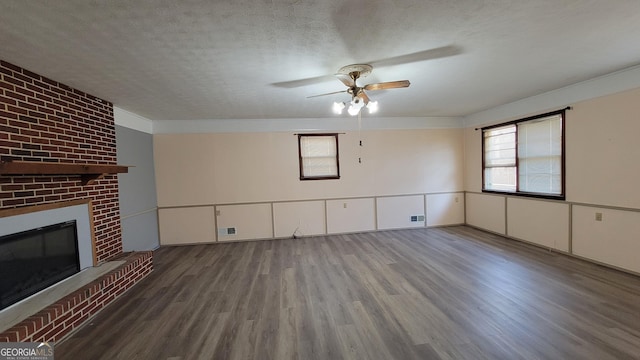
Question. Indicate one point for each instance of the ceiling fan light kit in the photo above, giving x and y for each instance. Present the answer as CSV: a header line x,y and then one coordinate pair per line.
x,y
355,107
349,75
353,110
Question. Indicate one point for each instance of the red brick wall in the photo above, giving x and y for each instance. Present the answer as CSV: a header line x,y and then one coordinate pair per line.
x,y
43,120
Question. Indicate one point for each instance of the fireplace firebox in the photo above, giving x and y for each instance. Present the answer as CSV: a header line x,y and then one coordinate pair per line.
x,y
35,259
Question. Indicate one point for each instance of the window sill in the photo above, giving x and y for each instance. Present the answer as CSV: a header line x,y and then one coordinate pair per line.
x,y
320,178
526,194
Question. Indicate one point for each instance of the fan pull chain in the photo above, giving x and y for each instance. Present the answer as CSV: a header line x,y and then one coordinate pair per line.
x,y
360,136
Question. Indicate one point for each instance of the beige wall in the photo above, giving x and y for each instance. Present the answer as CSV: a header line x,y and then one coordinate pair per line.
x,y
215,168
472,160
602,154
259,171
603,151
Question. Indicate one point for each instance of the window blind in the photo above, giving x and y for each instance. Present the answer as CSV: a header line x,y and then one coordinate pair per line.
x,y
500,158
540,155
319,156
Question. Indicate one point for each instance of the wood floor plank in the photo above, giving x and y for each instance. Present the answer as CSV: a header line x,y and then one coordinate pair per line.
x,y
287,336
368,332
326,337
288,291
441,293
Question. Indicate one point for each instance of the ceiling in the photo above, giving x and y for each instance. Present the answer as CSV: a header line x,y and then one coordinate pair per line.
x,y
241,59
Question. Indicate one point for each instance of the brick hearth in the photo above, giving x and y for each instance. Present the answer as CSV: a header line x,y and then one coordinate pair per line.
x,y
70,312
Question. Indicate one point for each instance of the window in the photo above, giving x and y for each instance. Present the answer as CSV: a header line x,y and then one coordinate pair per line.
x,y
318,154
525,156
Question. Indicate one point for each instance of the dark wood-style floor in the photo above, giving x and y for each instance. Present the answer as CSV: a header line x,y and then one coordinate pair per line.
x,y
442,293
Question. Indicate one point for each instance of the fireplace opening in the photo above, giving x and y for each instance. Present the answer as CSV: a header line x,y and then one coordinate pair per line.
x,y
35,259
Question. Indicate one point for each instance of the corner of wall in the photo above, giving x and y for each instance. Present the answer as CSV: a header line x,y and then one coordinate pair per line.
x,y
132,121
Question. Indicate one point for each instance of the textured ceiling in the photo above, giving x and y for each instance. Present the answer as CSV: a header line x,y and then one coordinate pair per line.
x,y
198,59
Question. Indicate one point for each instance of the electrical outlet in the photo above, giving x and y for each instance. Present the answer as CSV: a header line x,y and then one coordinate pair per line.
x,y
217,212
598,216
344,205
457,199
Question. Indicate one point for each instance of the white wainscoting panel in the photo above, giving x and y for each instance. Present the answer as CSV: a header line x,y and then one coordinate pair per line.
x,y
445,209
350,215
303,218
542,222
396,212
614,240
188,225
486,212
251,221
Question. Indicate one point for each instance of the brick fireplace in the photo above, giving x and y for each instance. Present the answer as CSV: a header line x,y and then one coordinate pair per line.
x,y
42,120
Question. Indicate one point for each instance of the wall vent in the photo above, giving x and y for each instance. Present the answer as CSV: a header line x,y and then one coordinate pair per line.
x,y
227,231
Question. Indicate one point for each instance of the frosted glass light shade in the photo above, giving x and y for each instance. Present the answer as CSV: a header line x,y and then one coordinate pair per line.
x,y
337,107
372,106
353,111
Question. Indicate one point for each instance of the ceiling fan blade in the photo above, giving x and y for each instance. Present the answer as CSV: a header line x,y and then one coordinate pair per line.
x,y
388,85
331,93
443,51
346,79
303,82
363,96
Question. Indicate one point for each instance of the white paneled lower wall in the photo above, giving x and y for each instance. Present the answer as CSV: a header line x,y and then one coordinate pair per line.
x,y
562,226
302,218
233,222
445,209
246,222
397,212
542,222
604,234
486,212
351,215
187,225
614,239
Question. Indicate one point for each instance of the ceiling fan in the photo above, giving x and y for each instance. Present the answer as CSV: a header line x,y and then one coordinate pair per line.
x,y
349,75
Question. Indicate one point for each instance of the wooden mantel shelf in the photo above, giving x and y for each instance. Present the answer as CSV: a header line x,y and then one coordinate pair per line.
x,y
88,172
